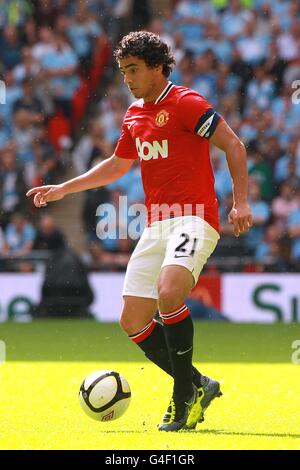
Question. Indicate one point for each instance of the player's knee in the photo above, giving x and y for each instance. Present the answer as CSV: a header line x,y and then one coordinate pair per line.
x,y
168,299
126,324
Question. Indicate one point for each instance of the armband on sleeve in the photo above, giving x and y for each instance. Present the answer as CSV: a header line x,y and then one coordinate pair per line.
x,y
207,124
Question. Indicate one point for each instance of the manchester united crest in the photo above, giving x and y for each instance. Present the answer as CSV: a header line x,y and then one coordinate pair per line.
x,y
162,118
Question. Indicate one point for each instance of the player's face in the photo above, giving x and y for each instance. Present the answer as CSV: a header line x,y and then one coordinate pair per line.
x,y
143,81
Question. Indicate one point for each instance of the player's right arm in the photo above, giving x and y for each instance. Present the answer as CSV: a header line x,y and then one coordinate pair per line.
x,y
102,174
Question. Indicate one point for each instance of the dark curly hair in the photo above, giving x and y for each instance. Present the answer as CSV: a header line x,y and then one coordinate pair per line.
x,y
148,47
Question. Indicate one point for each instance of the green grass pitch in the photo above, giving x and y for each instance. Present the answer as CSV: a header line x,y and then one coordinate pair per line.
x,y
48,359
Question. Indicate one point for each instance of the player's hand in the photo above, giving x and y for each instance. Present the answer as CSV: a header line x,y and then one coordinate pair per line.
x,y
241,218
44,194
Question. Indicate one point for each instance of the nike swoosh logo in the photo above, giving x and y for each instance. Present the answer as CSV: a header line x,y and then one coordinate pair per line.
x,y
181,256
180,353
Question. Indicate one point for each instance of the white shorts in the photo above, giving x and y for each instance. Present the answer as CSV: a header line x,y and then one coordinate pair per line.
x,y
183,241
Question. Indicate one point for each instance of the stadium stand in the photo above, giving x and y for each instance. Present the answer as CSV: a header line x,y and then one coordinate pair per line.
x,y
65,101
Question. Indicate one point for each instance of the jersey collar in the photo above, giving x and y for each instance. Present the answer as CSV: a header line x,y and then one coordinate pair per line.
x,y
164,93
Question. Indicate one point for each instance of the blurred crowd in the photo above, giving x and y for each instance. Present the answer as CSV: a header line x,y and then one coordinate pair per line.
x,y
52,57
242,55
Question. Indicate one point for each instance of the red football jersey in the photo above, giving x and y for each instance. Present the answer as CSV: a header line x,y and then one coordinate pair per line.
x,y
171,138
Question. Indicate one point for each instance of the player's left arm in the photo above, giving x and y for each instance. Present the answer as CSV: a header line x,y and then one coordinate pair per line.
x,y
225,139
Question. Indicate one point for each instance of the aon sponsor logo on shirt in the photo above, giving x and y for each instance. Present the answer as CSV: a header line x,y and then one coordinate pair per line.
x,y
147,150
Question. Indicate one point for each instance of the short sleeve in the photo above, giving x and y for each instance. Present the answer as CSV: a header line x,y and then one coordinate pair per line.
x,y
125,146
198,115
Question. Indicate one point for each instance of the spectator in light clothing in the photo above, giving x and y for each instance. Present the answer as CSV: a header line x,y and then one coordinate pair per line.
x,y
23,135
234,20
286,114
28,68
59,67
45,45
83,32
12,185
283,205
19,236
223,183
261,214
13,92
5,133
251,45
292,154
271,237
190,17
260,89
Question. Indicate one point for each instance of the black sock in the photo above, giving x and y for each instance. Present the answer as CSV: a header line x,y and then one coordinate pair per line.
x,y
155,348
179,331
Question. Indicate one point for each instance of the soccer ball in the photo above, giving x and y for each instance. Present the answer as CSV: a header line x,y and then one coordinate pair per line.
x,y
104,395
